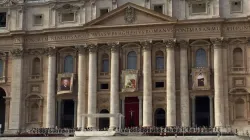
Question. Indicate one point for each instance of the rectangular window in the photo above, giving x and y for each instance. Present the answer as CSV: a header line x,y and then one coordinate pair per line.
x,y
159,84
159,62
3,19
38,19
68,17
104,86
236,6
105,63
198,8
104,11
158,8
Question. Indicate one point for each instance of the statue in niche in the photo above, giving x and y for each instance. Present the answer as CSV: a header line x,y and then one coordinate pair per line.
x,y
201,80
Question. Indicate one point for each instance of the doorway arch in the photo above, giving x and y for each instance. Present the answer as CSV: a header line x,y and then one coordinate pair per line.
x,y
104,122
2,109
160,117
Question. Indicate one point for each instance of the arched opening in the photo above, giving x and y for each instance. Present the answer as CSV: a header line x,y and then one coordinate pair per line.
x,y
68,64
2,109
239,108
160,117
105,63
237,57
200,58
104,122
159,58
36,66
132,60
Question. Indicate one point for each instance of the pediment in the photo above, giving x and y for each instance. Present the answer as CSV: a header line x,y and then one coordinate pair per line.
x,y
131,14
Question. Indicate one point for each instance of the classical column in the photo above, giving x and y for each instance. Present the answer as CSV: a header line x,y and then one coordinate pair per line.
x,y
171,97
218,84
184,94
81,101
59,113
51,88
92,85
114,81
140,110
147,84
193,111
211,110
16,90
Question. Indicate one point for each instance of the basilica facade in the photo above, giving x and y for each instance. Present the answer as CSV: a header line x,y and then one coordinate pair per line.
x,y
157,62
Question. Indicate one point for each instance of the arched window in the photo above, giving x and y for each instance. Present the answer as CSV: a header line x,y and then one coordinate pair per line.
x,y
104,122
237,57
160,119
1,67
36,66
68,64
200,58
105,63
159,58
132,60
239,108
34,110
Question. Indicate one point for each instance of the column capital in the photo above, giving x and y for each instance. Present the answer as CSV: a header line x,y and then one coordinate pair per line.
x,y
146,45
170,43
183,43
92,48
114,46
51,51
81,49
17,53
218,42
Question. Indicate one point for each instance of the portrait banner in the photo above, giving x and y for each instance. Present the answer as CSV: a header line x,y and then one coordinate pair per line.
x,y
130,80
201,79
65,83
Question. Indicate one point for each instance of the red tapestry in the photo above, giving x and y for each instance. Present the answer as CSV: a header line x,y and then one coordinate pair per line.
x,y
131,111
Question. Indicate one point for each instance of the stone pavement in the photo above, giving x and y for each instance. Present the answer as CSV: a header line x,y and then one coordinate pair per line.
x,y
130,138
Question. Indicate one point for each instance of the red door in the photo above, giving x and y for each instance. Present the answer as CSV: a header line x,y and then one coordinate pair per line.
x,y
131,112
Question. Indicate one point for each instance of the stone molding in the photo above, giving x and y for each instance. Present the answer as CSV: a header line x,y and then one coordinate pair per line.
x,y
17,53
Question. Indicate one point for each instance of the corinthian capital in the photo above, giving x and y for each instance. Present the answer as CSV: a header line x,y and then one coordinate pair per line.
x,y
218,42
146,45
183,43
51,51
114,46
17,53
170,43
92,48
81,49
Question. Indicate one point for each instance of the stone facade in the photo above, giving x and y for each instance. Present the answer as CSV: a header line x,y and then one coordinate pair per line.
x,y
204,55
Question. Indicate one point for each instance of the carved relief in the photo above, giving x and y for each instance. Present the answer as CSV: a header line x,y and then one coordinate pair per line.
x,y
16,53
239,81
130,15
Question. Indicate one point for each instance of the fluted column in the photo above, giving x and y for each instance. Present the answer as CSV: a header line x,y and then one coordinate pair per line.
x,y
16,90
92,85
147,85
114,91
171,97
184,94
81,101
218,84
51,92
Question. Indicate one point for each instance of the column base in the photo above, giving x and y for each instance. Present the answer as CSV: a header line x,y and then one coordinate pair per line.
x,y
11,131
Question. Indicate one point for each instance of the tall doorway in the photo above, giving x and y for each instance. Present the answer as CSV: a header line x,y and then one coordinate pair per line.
x,y
131,112
2,109
202,111
67,118
104,122
160,117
